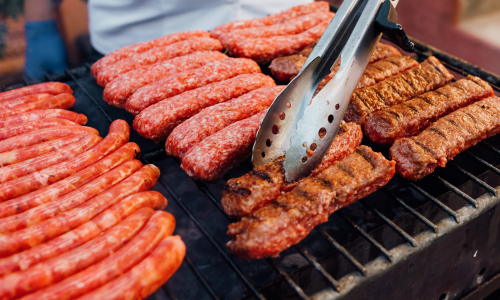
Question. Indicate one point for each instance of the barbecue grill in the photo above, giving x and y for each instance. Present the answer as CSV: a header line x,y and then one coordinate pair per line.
x,y
438,238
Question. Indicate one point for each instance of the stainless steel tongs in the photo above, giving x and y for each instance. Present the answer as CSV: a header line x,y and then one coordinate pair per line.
x,y
303,129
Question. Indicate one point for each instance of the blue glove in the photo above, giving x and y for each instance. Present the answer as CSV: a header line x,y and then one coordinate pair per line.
x,y
45,50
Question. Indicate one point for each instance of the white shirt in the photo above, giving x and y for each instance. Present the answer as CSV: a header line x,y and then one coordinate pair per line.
x,y
117,23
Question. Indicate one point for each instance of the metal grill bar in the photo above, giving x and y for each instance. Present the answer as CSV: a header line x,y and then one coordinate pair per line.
x,y
486,186
487,164
434,200
366,235
317,266
201,277
457,191
287,278
487,145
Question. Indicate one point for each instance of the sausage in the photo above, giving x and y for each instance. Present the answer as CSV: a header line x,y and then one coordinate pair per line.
x,y
26,238
45,273
80,186
83,233
12,103
215,118
121,87
155,55
53,88
263,50
160,226
293,26
38,115
159,266
215,155
61,101
119,133
44,161
188,80
287,15
158,120
43,135
22,154
132,50
27,127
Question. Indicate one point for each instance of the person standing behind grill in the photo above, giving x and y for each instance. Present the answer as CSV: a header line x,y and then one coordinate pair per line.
x,y
117,23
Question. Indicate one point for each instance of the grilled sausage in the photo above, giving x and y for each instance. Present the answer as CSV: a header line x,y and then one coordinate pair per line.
x,y
217,117
53,88
38,115
27,127
61,101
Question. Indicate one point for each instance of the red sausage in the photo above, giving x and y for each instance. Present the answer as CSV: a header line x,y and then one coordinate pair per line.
x,y
217,117
37,115
82,234
215,155
188,80
287,15
61,101
121,87
12,103
155,55
43,135
142,180
158,120
21,283
53,88
132,50
147,276
27,127
160,226
119,133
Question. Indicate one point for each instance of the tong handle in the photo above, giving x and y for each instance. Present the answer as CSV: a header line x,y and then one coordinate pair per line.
x,y
387,23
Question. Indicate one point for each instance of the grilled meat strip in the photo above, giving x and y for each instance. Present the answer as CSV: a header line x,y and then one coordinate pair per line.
x,y
418,156
244,195
427,76
411,117
286,68
289,219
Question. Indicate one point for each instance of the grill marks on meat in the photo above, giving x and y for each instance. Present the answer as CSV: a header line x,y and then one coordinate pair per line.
x,y
411,117
420,155
287,220
244,195
427,76
286,68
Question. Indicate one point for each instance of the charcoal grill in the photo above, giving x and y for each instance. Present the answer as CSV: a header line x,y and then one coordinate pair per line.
x,y
438,238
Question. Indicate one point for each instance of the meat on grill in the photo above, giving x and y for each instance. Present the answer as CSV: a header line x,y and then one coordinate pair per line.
x,y
427,76
420,155
411,117
244,195
288,219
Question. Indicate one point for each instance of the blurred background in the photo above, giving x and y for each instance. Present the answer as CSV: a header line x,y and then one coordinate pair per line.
x,y
469,29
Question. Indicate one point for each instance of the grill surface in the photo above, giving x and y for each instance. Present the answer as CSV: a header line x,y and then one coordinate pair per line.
x,y
434,239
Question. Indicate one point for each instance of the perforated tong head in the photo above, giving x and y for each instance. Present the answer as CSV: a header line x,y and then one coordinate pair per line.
x,y
302,129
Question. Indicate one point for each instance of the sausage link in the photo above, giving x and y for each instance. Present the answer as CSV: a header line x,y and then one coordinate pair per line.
x,y
287,15
80,187
160,226
12,103
84,233
157,121
215,118
155,55
43,135
21,283
44,161
159,266
121,87
53,88
119,133
38,115
188,80
27,127
218,153
61,101
26,238
132,50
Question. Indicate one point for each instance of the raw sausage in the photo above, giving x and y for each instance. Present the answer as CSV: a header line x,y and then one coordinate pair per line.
x,y
142,180
158,120
53,88
30,126
121,87
217,117
12,103
159,267
188,80
160,226
82,234
61,101
38,115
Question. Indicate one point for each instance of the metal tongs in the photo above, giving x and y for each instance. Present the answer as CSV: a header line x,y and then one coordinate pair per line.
x,y
302,128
